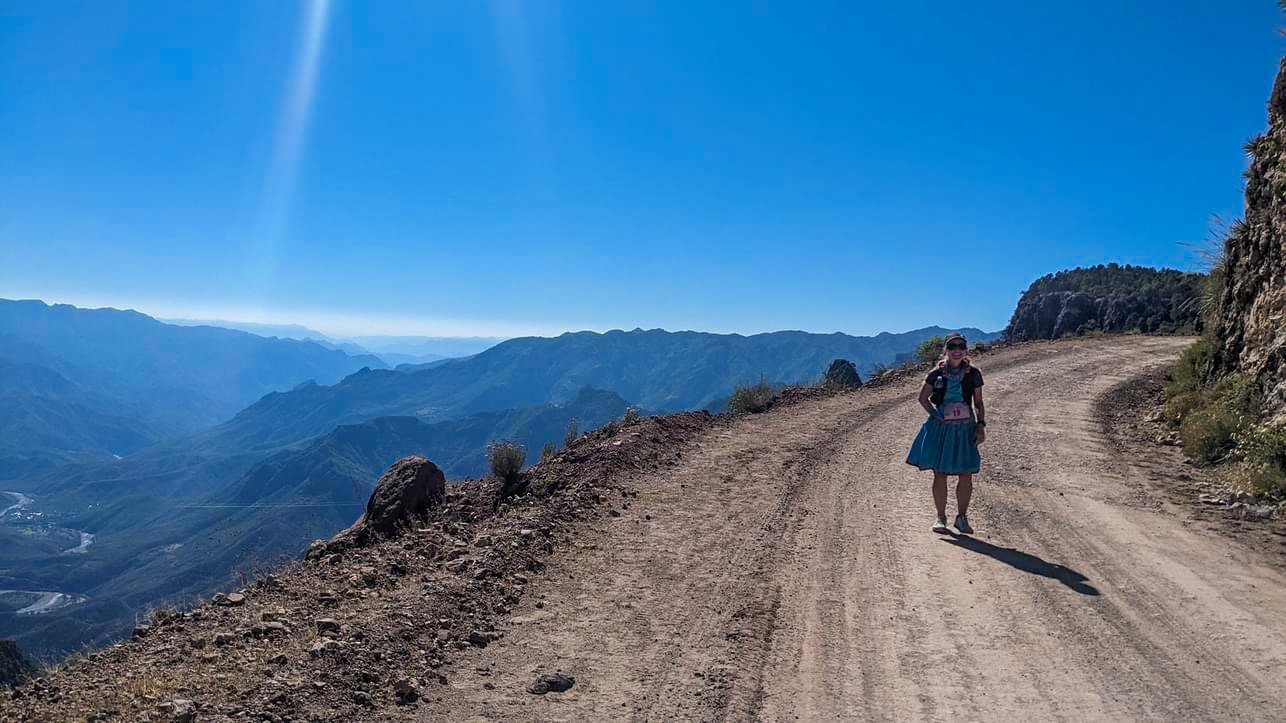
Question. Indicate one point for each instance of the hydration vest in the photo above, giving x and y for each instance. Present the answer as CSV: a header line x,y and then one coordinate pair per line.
x,y
938,379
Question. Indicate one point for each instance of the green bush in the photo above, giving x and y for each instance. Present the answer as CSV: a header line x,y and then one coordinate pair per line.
x,y
631,416
506,459
1214,418
930,350
1208,434
1179,405
1192,368
548,451
1186,390
573,432
1238,394
751,399
1264,450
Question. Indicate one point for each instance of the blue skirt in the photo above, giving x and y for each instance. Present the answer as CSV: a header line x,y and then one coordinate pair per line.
x,y
945,447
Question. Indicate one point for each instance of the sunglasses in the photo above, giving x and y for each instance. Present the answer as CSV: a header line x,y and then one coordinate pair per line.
x,y
957,347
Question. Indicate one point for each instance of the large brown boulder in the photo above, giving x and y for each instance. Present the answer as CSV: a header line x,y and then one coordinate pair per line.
x,y
406,491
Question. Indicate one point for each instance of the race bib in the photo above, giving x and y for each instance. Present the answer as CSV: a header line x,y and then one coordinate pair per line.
x,y
955,412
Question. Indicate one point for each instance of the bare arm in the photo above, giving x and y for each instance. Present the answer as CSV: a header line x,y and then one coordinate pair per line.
x,y
926,391
980,411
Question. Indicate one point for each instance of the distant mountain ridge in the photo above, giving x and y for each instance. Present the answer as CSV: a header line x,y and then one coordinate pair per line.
x,y
282,331
394,350
354,455
175,518
417,349
654,369
66,368
657,369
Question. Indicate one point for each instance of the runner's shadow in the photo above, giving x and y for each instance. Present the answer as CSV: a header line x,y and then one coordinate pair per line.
x,y
1025,562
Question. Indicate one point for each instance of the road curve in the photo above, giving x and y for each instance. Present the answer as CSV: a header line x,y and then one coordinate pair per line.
x,y
21,502
786,571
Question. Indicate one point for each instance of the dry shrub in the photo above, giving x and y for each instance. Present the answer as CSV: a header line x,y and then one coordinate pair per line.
x,y
1264,449
506,459
751,399
1208,435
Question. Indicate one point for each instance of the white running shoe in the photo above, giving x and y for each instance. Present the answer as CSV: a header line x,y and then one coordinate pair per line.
x,y
940,524
962,524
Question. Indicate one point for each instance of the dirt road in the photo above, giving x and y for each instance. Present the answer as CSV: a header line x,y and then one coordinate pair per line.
x,y
786,571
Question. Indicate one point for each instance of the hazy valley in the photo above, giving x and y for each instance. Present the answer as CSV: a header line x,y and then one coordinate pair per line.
x,y
121,502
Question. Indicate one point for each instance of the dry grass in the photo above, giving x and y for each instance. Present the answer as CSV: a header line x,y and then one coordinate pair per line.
x,y
751,399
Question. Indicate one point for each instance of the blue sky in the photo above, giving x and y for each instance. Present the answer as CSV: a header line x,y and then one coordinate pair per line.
x,y
507,168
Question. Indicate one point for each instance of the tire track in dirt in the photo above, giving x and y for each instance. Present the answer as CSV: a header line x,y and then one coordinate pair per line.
x,y
665,611
1065,604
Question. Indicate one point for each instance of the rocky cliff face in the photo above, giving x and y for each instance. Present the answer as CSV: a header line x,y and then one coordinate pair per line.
x,y
1109,298
14,667
1250,326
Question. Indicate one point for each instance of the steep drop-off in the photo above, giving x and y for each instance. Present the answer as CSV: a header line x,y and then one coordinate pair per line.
x,y
14,666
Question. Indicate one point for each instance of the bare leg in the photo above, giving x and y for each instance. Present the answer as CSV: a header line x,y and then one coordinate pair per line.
x,y
940,493
964,490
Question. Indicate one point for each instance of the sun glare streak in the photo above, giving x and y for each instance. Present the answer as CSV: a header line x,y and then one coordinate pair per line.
x,y
289,143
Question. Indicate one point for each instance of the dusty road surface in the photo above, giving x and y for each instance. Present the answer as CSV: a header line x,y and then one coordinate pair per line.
x,y
786,571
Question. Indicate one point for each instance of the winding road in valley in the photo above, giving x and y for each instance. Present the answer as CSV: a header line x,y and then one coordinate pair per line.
x,y
785,570
86,539
45,601
21,502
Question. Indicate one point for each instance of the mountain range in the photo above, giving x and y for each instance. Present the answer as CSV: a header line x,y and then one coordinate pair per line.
x,y
661,370
394,350
164,513
86,384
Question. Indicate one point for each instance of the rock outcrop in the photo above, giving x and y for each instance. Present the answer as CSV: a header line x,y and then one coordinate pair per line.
x,y
408,490
842,374
1110,298
14,666
1250,325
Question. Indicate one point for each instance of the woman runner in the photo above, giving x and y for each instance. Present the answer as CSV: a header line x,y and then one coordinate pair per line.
x,y
948,441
